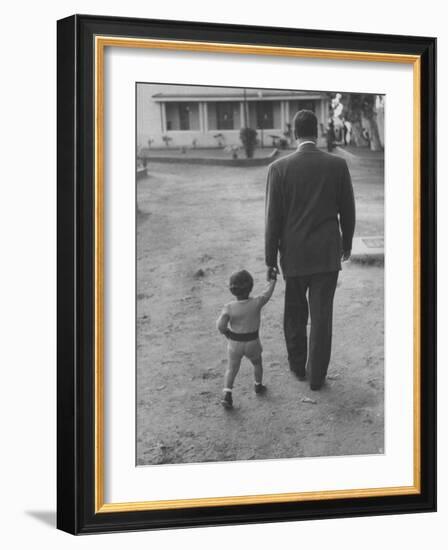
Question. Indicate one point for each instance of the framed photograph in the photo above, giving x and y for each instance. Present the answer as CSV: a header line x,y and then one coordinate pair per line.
x,y
246,274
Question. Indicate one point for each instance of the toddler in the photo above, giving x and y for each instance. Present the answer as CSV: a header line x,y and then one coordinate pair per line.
x,y
239,322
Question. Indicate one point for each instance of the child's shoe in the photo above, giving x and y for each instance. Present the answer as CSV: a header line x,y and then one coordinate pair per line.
x,y
260,389
227,401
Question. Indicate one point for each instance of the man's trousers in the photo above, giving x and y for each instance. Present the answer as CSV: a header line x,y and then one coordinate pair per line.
x,y
319,306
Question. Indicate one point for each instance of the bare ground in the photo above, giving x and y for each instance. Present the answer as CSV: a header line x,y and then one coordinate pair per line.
x,y
195,226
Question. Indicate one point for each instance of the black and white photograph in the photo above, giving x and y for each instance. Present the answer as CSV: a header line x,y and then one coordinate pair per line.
x,y
259,273
221,310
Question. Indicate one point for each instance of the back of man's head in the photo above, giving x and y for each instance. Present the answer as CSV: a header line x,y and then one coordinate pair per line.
x,y
305,124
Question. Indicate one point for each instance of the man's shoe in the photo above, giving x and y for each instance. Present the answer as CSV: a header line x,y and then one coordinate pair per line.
x,y
298,373
260,389
316,387
227,401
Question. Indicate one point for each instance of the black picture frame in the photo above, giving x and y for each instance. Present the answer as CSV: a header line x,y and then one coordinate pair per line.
x,y
76,512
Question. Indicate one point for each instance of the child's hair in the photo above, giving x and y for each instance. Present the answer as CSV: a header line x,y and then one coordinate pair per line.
x,y
241,283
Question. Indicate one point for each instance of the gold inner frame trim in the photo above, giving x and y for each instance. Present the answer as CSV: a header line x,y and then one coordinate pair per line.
x,y
101,42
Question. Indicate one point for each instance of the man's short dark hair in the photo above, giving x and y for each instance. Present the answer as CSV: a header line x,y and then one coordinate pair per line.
x,y
305,124
241,283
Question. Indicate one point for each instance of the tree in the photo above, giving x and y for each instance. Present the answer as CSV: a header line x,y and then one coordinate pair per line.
x,y
353,113
369,113
359,110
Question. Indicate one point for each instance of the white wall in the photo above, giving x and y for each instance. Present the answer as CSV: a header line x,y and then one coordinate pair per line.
x,y
27,274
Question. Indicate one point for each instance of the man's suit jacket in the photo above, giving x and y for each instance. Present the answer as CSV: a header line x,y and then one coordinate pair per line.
x,y
310,212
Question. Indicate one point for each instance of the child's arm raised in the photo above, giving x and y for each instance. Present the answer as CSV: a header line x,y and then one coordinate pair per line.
x,y
265,296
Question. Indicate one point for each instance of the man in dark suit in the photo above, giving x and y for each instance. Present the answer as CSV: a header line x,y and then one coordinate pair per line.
x,y
310,221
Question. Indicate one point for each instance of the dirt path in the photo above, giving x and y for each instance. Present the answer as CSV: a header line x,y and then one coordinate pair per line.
x,y
210,220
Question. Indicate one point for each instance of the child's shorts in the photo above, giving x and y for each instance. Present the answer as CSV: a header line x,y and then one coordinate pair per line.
x,y
237,350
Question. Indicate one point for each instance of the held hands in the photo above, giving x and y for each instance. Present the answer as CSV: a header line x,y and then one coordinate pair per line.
x,y
346,255
271,273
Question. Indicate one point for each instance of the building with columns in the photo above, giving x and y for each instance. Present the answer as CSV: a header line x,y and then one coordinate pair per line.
x,y
203,116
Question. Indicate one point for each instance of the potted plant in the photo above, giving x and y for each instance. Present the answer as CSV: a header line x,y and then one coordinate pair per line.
x,y
248,138
167,140
233,149
220,139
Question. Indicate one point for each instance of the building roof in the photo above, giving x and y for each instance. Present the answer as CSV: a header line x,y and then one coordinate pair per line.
x,y
237,95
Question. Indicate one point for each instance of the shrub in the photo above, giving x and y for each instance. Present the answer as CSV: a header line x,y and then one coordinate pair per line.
x,y
248,138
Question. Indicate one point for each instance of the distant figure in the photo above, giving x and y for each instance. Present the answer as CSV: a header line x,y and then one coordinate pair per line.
x,y
366,136
239,322
310,221
288,132
330,136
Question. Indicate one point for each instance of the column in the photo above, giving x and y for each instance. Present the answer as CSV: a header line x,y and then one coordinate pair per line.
x,y
324,111
205,116
324,118
287,114
201,117
282,116
163,117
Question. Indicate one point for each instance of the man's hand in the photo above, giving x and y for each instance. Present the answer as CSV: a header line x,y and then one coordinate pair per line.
x,y
346,255
271,273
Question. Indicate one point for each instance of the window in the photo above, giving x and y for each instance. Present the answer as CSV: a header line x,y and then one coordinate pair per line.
x,y
264,114
298,105
182,116
224,115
